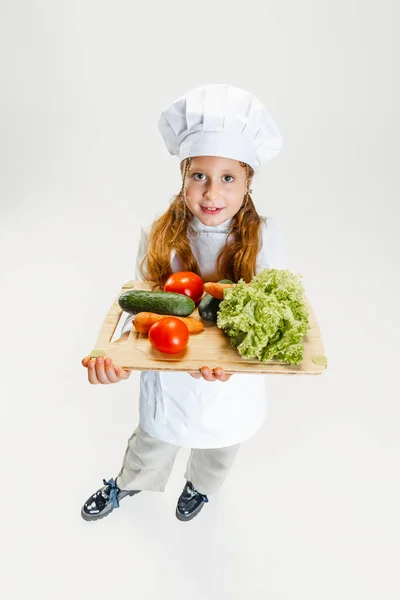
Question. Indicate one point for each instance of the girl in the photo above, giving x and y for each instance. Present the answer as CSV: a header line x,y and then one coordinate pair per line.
x,y
221,134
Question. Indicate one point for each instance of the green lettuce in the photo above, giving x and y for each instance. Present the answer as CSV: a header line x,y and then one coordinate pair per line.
x,y
267,318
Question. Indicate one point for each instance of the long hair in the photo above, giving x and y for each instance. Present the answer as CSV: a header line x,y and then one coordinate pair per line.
x,y
236,260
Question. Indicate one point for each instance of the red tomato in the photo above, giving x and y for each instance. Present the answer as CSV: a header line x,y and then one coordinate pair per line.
x,y
185,282
169,335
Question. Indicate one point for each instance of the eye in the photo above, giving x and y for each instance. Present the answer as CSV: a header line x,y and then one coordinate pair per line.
x,y
202,174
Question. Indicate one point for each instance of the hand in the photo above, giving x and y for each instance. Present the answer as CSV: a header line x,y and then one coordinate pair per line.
x,y
102,370
209,375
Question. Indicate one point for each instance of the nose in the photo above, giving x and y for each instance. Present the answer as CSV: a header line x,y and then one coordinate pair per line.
x,y
211,192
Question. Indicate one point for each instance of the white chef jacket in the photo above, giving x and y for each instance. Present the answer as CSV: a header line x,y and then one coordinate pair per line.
x,y
195,413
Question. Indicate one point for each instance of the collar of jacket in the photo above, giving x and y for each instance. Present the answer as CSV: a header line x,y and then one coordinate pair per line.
x,y
198,227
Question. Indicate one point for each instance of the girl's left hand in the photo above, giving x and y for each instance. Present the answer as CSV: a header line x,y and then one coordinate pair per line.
x,y
211,375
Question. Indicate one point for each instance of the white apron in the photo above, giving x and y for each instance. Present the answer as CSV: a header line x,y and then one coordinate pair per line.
x,y
195,413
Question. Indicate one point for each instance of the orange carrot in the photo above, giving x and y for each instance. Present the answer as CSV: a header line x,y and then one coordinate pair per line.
x,y
216,289
144,320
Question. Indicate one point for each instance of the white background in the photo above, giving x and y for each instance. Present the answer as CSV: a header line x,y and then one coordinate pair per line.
x,y
311,508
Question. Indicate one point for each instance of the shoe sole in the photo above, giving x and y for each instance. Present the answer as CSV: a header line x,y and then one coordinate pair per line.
x,y
192,515
107,511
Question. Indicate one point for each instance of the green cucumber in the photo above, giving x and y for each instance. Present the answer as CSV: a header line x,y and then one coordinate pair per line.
x,y
161,303
208,307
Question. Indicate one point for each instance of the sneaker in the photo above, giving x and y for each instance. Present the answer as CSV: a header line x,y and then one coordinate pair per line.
x,y
103,502
190,503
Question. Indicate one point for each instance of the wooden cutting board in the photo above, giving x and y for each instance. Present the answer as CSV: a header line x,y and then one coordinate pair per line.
x,y
210,348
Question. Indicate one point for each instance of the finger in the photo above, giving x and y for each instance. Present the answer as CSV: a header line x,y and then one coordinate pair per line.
x,y
208,375
195,374
110,370
100,372
221,375
85,361
122,373
92,376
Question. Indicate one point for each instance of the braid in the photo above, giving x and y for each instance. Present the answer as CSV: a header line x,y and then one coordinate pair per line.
x,y
178,207
182,193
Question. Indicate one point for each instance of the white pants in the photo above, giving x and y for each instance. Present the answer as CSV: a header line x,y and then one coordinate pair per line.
x,y
148,463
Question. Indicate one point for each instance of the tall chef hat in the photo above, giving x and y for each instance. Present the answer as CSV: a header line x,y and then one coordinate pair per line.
x,y
220,120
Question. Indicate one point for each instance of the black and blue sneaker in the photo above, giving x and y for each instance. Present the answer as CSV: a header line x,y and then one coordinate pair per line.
x,y
103,502
190,503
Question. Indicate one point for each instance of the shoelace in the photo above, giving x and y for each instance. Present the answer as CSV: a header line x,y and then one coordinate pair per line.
x,y
193,492
114,489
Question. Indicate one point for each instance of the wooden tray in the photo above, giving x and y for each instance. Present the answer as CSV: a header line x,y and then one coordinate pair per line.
x,y
209,348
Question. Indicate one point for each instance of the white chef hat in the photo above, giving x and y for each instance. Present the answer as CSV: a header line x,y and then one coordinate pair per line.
x,y
220,120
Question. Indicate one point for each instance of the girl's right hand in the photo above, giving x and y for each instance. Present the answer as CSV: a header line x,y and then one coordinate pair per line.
x,y
217,374
102,370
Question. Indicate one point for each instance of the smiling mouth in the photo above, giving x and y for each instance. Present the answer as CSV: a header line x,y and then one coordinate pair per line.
x,y
211,208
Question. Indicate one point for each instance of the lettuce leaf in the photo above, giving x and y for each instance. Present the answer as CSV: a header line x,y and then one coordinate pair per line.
x,y
266,319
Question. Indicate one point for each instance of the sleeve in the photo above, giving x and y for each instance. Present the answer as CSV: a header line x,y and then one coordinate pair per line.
x,y
142,249
272,251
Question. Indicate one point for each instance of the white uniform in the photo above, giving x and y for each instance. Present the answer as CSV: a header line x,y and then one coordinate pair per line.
x,y
195,413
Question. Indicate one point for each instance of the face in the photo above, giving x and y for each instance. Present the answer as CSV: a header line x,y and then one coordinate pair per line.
x,y
214,182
